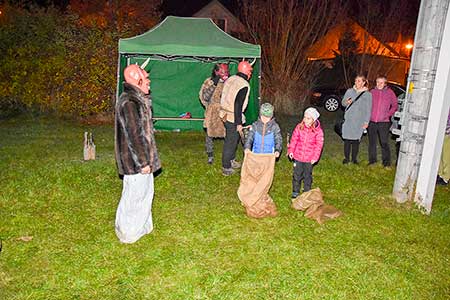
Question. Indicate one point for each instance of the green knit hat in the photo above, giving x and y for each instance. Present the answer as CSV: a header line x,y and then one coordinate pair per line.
x,y
266,110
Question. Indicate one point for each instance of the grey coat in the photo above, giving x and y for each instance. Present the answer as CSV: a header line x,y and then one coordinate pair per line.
x,y
357,115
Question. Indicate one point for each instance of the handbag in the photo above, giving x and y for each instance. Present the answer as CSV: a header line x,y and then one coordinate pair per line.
x,y
340,122
338,126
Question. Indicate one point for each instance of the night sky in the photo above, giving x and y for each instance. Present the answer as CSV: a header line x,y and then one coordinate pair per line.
x,y
186,8
190,7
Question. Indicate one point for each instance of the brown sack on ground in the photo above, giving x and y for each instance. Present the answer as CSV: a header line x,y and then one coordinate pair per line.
x,y
256,179
316,209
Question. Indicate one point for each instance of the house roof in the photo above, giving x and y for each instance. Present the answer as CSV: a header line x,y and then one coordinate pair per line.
x,y
215,5
328,46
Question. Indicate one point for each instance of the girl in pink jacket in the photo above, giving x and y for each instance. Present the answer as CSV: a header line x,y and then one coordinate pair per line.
x,y
304,149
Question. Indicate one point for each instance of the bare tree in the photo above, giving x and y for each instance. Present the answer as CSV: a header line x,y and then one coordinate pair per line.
x,y
285,29
381,50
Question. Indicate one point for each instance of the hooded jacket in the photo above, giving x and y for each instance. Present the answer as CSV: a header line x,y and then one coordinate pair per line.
x,y
306,142
264,138
384,104
135,146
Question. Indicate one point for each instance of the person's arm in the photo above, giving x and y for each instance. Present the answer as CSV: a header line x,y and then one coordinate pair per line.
x,y
319,146
137,144
393,102
345,99
367,110
294,139
238,103
207,91
278,138
250,137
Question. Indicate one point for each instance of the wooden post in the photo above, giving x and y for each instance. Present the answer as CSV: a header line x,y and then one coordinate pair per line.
x,y
89,146
415,114
437,120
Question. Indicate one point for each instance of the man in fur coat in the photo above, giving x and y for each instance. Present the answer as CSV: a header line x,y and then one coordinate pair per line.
x,y
136,155
209,95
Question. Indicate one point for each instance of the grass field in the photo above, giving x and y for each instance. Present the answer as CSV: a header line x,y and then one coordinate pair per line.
x,y
203,245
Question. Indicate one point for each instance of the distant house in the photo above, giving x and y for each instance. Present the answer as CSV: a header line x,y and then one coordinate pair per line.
x,y
389,59
223,18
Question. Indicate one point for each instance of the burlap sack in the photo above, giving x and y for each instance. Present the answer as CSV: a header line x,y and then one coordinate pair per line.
x,y
256,179
316,209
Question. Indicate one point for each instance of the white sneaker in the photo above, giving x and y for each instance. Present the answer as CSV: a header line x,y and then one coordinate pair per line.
x,y
235,164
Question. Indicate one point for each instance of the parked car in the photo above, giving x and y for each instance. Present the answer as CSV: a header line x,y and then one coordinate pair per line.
x,y
330,98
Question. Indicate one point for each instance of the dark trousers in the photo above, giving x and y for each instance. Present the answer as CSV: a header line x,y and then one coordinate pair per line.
x,y
209,146
379,131
352,145
302,172
229,144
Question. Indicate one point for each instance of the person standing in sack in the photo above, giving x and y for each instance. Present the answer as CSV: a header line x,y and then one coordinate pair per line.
x,y
384,105
210,94
262,146
136,156
264,135
304,149
233,103
358,105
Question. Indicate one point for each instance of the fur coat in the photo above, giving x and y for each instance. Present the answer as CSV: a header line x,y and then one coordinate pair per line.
x,y
210,97
135,145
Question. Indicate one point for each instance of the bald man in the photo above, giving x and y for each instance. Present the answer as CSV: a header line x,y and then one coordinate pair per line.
x,y
136,156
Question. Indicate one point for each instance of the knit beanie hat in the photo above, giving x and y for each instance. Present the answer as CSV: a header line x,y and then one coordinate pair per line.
x,y
312,112
266,110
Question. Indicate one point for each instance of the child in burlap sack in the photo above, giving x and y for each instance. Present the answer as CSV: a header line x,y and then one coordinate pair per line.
x,y
262,146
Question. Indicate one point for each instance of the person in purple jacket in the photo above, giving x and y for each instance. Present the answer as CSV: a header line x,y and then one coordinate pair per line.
x,y
384,105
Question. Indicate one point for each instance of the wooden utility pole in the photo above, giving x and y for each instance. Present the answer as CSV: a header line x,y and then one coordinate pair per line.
x,y
437,120
416,112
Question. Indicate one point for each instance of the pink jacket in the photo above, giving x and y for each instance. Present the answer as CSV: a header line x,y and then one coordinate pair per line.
x,y
307,142
384,104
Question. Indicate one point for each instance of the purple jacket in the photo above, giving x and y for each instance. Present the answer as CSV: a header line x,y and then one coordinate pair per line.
x,y
384,104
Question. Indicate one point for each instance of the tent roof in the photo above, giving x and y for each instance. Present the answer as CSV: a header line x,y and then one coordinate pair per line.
x,y
188,37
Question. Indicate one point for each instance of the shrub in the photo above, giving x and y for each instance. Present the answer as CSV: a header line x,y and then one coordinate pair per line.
x,y
54,62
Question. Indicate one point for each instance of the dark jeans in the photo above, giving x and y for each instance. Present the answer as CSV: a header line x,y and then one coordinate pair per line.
x,y
379,130
229,144
302,171
352,145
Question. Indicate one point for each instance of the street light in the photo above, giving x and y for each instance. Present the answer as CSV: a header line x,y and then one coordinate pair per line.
x,y
409,46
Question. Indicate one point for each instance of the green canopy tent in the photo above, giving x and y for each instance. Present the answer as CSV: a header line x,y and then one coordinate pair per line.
x,y
182,53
